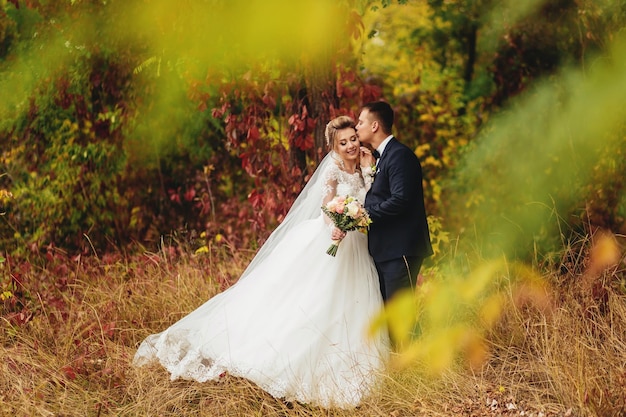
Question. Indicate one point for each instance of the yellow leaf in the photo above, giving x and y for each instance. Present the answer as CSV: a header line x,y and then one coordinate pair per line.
x,y
432,161
399,316
426,117
479,279
475,349
491,309
604,252
421,150
202,249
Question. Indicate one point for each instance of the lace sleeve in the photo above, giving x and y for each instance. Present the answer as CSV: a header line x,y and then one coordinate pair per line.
x,y
368,176
329,187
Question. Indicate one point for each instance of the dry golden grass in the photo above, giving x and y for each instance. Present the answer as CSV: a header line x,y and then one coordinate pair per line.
x,y
69,353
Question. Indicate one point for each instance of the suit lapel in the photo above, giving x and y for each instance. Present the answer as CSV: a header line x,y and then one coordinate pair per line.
x,y
385,152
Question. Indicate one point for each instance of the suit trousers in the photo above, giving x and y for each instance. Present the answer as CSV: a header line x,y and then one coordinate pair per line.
x,y
398,274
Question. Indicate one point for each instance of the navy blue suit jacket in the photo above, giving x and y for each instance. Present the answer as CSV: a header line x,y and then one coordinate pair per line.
x,y
395,203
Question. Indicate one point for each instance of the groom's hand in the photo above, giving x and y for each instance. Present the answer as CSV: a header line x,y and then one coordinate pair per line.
x,y
367,159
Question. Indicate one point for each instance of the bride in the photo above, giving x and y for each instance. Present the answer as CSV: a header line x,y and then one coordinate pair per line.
x,y
295,323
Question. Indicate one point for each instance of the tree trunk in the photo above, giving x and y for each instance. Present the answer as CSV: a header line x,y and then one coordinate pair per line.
x,y
322,95
470,40
297,157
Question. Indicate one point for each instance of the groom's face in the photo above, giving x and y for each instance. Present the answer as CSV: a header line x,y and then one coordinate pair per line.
x,y
364,127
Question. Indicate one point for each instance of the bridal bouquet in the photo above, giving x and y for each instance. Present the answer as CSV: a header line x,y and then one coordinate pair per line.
x,y
347,214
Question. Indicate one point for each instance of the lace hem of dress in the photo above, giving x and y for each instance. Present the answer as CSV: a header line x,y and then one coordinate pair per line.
x,y
192,365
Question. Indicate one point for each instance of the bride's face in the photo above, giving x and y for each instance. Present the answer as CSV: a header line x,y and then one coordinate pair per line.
x,y
347,144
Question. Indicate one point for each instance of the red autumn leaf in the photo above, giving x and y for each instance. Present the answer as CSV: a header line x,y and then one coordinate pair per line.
x,y
174,196
109,329
253,134
256,199
69,372
190,194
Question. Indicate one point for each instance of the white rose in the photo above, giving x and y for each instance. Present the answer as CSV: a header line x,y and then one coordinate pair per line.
x,y
353,210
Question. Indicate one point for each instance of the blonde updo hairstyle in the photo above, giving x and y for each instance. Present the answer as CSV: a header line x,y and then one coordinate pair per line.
x,y
335,125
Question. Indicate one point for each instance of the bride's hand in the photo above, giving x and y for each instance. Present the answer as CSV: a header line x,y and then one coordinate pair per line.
x,y
337,234
367,159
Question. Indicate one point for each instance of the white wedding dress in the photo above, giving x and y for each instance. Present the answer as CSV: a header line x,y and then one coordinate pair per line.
x,y
296,321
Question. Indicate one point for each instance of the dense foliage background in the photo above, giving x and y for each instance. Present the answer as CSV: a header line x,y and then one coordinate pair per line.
x,y
126,123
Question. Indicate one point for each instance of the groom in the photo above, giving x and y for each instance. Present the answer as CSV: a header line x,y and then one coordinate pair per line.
x,y
399,239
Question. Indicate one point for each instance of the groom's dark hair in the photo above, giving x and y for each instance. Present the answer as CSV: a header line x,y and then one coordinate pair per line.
x,y
382,112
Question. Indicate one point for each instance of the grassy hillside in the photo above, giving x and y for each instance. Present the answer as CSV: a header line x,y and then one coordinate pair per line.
x,y
70,327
